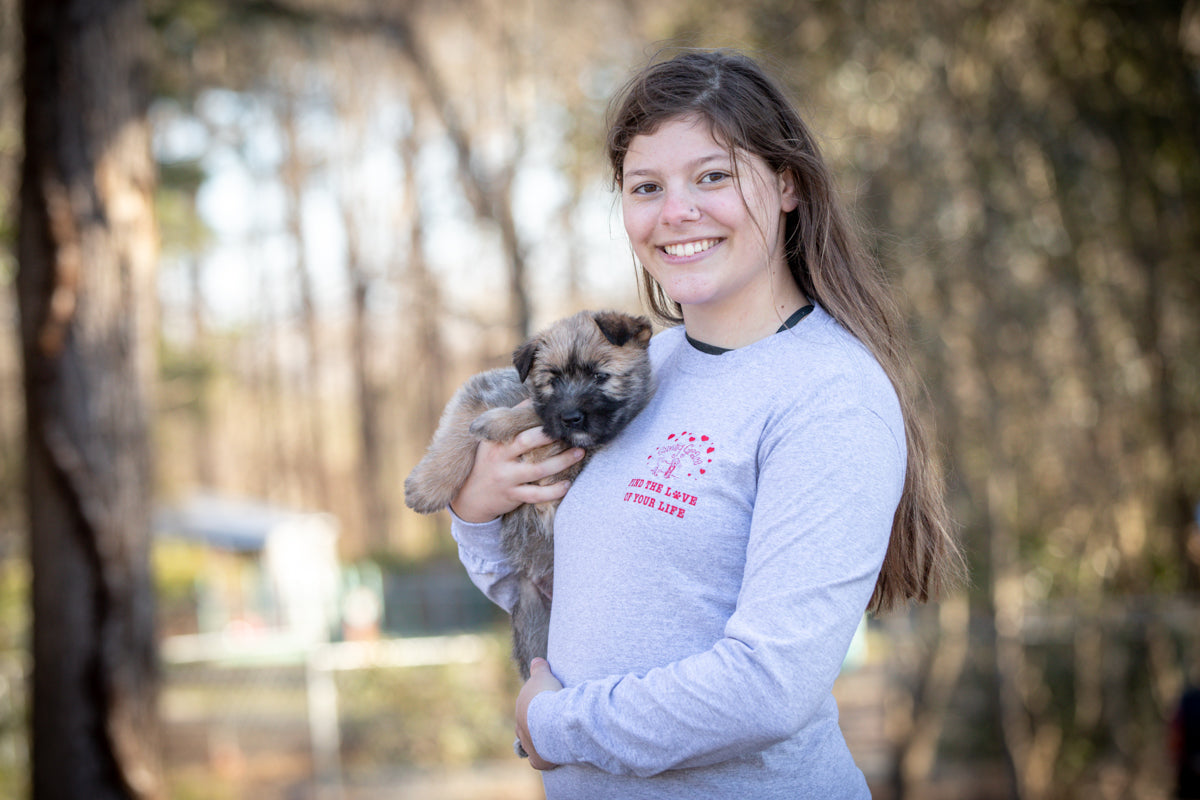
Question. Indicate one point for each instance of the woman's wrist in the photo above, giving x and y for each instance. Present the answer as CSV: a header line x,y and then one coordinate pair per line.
x,y
471,516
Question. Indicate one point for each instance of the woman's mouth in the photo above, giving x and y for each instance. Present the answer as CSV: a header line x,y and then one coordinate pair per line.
x,y
689,248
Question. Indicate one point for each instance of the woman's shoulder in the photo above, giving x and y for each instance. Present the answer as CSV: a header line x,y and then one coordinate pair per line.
x,y
667,337
665,342
837,369
820,346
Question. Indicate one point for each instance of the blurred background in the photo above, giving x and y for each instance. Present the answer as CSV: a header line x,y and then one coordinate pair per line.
x,y
358,203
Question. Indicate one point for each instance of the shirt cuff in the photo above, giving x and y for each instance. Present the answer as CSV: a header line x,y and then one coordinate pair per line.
x,y
540,719
480,539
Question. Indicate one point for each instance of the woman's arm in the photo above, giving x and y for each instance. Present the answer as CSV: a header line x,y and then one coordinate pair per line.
x,y
827,492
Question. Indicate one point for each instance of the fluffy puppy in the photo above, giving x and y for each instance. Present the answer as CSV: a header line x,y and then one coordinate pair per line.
x,y
588,375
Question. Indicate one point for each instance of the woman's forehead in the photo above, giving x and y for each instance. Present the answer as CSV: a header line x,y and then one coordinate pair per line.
x,y
687,141
688,137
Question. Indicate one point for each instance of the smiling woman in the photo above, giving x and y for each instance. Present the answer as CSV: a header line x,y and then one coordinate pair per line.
x,y
712,563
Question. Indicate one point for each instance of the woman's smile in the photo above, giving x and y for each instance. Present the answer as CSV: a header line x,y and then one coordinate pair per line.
x,y
689,249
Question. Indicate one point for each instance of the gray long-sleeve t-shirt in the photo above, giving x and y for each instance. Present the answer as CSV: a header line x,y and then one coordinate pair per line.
x,y
711,567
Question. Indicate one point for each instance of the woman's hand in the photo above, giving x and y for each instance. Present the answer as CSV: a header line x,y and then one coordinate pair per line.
x,y
541,679
500,481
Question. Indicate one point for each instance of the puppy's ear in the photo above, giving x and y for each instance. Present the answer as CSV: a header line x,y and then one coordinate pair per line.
x,y
620,329
523,358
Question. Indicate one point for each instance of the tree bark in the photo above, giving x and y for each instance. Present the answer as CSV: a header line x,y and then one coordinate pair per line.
x,y
87,248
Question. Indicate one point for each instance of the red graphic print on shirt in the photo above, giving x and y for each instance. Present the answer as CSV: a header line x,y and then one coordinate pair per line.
x,y
683,459
685,453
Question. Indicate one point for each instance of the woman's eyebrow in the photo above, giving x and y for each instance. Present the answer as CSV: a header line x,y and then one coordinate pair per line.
x,y
694,164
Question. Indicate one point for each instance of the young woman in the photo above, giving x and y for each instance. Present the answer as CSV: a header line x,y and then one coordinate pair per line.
x,y
712,564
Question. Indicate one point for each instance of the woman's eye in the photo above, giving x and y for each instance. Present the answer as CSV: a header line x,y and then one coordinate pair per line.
x,y
715,176
645,188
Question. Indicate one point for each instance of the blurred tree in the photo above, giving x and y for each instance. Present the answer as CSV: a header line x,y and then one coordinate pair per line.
x,y
1055,150
11,500
294,174
87,249
362,276
186,375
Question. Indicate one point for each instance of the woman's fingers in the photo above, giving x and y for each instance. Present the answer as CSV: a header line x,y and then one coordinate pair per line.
x,y
500,481
529,439
533,493
509,454
541,679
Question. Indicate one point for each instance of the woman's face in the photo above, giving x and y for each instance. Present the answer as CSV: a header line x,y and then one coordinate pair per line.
x,y
709,230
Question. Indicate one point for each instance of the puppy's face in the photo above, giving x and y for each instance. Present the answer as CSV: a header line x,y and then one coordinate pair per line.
x,y
589,375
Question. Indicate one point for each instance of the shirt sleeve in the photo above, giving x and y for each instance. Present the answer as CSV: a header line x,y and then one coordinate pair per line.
x,y
480,552
827,491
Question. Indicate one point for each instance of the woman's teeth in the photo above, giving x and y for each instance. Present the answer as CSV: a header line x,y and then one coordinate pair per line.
x,y
689,248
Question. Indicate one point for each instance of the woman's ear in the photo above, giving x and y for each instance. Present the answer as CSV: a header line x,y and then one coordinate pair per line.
x,y
787,190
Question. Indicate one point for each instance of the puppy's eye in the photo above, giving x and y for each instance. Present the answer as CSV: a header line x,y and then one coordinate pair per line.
x,y
600,377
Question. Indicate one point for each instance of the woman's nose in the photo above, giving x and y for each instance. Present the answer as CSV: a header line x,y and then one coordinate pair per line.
x,y
679,206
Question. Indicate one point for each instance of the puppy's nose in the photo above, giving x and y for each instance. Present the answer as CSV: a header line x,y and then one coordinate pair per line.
x,y
572,418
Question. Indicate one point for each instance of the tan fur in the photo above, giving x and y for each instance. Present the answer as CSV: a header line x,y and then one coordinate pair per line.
x,y
588,376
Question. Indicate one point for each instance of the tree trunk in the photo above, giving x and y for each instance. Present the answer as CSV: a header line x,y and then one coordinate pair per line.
x,y
429,356
201,419
376,521
294,173
939,672
85,288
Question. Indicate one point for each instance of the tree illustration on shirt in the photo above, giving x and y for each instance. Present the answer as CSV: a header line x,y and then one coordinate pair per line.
x,y
682,450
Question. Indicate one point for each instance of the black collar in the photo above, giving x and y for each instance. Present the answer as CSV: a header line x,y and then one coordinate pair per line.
x,y
713,350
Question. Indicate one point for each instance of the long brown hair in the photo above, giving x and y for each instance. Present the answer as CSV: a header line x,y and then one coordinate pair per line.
x,y
748,111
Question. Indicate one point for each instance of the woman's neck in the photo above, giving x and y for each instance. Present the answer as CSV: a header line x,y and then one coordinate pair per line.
x,y
730,331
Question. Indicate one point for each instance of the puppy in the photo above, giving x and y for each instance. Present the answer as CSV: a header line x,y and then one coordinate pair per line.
x,y
588,375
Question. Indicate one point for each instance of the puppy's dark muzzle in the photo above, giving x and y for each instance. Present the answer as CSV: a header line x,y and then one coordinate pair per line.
x,y
573,420
581,414
573,428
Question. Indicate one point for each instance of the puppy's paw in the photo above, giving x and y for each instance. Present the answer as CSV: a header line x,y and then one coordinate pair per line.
x,y
429,489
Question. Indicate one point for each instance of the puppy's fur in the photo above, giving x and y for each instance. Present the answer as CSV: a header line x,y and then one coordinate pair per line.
x,y
588,376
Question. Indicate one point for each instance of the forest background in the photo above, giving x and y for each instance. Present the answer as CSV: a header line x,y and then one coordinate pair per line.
x,y
360,203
